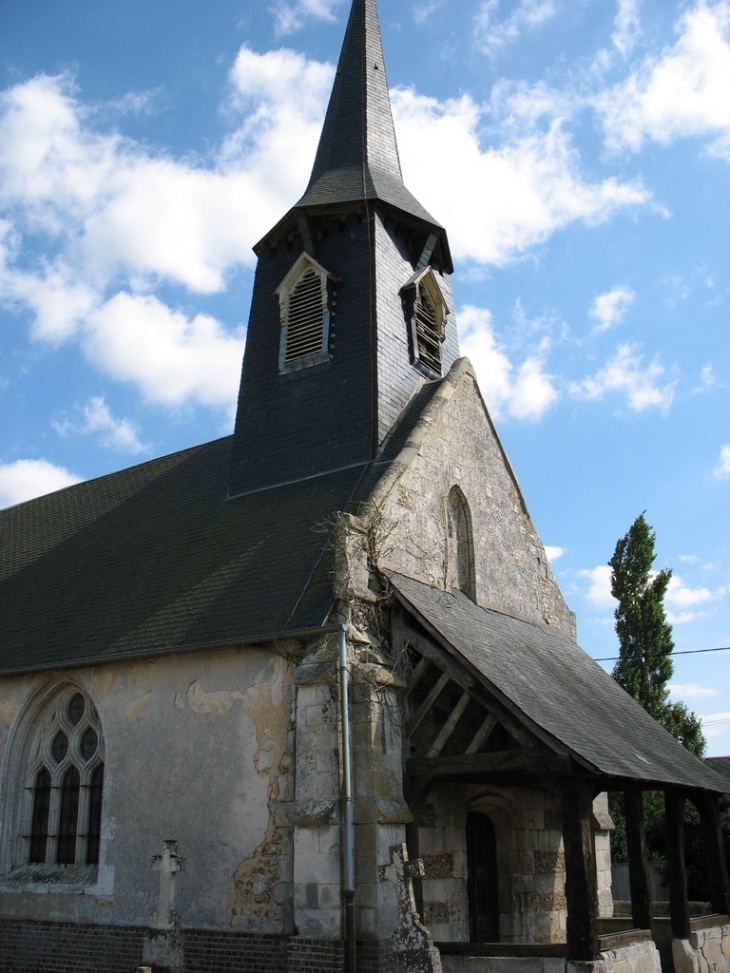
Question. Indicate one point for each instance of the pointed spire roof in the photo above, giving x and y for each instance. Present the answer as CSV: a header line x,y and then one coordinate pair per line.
x,y
357,157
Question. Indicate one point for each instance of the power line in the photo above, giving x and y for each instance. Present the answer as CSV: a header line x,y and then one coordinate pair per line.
x,y
721,648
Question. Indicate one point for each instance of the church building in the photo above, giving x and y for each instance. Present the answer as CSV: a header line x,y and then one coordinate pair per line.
x,y
308,697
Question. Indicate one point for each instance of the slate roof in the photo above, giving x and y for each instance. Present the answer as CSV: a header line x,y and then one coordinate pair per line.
x,y
156,559
721,766
556,690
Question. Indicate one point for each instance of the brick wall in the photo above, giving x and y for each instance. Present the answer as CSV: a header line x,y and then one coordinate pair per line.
x,y
55,947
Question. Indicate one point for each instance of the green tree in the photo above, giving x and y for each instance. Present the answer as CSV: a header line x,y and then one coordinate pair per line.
x,y
645,637
644,669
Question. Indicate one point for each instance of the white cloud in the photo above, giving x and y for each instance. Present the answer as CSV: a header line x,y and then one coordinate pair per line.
x,y
541,185
94,417
114,207
185,360
722,470
599,589
691,690
554,553
117,219
628,26
290,17
707,379
523,391
610,308
680,94
680,596
28,478
627,374
493,34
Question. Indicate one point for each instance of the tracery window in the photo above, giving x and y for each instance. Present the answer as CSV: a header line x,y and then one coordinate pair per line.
x,y
306,299
64,784
426,313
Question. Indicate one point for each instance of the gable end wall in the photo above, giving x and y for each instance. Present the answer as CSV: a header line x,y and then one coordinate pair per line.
x,y
455,444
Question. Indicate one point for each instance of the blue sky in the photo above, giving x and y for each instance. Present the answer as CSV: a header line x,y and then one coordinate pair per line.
x,y
577,152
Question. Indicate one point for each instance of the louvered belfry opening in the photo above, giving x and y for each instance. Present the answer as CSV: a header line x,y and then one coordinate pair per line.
x,y
305,318
427,333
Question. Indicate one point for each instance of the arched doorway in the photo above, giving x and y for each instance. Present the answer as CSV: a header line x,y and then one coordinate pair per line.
x,y
482,879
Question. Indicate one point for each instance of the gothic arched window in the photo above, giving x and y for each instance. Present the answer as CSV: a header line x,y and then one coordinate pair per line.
x,y
64,778
461,543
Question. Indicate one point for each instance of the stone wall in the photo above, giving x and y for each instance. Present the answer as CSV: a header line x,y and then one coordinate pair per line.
x,y
706,951
636,957
530,863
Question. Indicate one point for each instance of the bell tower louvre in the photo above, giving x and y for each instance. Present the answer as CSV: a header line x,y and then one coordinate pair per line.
x,y
352,308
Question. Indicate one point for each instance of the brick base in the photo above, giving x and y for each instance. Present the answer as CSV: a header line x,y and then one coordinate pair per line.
x,y
57,947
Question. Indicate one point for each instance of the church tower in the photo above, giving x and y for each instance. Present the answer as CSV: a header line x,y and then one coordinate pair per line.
x,y
352,308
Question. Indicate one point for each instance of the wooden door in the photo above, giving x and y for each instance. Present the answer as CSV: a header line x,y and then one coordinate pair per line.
x,y
482,879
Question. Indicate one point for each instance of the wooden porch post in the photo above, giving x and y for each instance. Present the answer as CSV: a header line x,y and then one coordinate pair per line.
x,y
575,804
678,902
640,884
717,875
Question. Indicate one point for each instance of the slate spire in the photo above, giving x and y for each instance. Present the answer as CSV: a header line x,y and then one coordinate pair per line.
x,y
357,158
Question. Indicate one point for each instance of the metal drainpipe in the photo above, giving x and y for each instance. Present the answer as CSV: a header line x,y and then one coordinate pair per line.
x,y
348,834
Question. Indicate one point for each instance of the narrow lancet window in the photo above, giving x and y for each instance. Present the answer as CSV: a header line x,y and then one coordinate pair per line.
x,y
41,809
461,544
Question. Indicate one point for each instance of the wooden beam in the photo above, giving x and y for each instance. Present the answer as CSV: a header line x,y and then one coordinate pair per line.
x,y
428,702
529,760
449,726
639,880
714,849
482,734
678,900
422,666
574,798
437,655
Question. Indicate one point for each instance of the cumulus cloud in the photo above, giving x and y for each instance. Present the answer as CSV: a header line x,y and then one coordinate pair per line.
x,y
685,604
519,391
185,359
25,479
118,219
554,553
598,593
95,418
493,34
681,93
627,374
542,187
722,470
610,308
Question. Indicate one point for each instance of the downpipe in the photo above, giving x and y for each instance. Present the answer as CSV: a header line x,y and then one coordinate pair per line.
x,y
348,831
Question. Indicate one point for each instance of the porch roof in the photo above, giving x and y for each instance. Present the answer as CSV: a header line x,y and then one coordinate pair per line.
x,y
556,690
